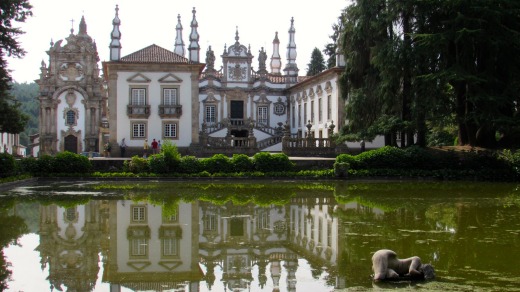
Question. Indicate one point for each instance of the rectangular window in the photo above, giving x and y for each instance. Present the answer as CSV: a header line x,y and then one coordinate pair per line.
x,y
210,222
329,107
138,130
170,96
138,96
305,113
262,222
210,114
312,111
320,111
170,246
170,130
299,115
293,114
139,214
262,115
139,246
320,229
329,233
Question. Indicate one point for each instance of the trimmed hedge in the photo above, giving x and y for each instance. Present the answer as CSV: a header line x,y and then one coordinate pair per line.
x,y
7,165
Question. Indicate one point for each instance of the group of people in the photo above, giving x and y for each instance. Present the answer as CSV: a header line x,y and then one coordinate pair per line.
x,y
155,146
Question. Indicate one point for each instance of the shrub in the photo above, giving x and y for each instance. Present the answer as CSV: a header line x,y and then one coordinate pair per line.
x,y
7,165
68,162
341,169
29,165
157,163
385,157
217,163
136,165
267,162
350,159
242,163
190,164
45,164
418,158
171,154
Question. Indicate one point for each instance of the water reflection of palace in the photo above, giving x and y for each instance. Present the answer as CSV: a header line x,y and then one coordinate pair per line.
x,y
149,247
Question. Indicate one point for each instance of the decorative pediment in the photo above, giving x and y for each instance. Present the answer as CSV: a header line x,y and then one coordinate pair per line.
x,y
170,265
210,98
328,87
262,100
170,78
319,91
139,78
139,266
311,93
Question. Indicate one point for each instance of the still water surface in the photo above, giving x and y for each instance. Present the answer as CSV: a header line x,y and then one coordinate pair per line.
x,y
257,236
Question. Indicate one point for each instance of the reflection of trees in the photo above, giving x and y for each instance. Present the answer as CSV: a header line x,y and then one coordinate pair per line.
x,y
13,227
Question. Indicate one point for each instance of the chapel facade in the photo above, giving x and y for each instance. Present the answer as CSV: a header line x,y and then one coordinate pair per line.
x,y
72,97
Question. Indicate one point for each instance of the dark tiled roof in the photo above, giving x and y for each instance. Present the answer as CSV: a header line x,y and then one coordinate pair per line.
x,y
154,54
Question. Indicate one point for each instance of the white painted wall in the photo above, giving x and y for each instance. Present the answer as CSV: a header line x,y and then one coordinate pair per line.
x,y
154,130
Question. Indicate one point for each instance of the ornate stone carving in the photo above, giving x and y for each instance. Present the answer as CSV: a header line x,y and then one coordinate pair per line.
x,y
71,72
236,72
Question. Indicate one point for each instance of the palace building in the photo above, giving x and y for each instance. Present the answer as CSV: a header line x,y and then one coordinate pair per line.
x,y
250,104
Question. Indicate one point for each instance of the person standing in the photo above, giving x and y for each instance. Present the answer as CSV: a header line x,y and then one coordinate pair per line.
x,y
159,145
145,148
154,146
122,147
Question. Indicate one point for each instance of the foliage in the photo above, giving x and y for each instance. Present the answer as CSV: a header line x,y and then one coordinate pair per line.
x,y
136,165
171,155
332,48
11,119
422,68
157,163
217,163
242,163
317,63
267,162
190,164
7,165
68,162
26,94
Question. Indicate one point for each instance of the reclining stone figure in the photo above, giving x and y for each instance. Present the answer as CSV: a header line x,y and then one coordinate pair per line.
x,y
387,266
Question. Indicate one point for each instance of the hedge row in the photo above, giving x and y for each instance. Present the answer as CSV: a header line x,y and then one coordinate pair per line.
x,y
413,161
162,163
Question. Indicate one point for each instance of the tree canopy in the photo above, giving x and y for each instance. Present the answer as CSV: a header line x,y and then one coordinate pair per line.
x,y
415,66
11,118
317,63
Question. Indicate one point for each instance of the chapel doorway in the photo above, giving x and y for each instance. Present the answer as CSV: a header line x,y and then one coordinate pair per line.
x,y
71,144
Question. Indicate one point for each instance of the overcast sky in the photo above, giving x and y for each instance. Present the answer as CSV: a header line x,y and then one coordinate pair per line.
x,y
153,22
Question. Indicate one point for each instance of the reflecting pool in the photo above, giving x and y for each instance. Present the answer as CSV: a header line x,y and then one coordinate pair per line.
x,y
255,235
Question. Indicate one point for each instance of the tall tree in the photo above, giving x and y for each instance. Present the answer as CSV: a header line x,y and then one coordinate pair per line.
x,y
26,94
412,65
317,63
11,119
331,48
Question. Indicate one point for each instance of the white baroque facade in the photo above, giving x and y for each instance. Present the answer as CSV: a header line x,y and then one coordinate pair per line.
x,y
157,93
